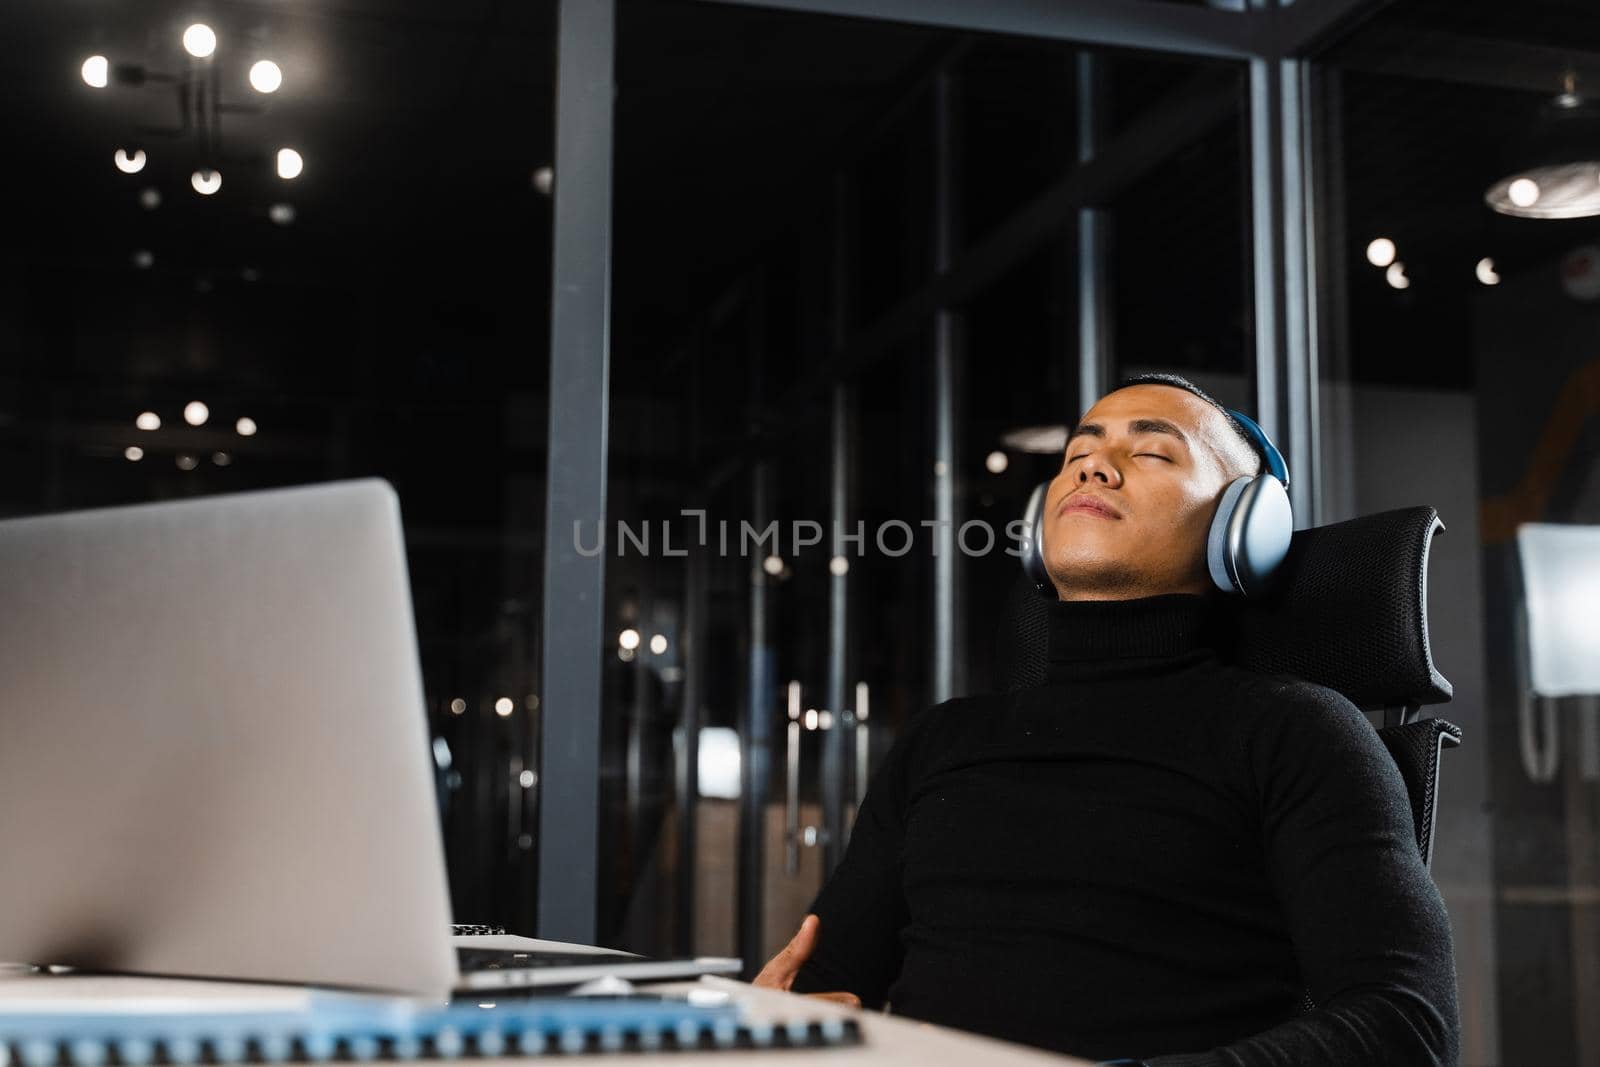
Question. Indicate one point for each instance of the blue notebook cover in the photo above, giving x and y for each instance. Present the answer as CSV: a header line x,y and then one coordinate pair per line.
x,y
354,1027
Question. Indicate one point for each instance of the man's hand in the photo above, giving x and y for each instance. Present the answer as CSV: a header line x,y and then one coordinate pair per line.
x,y
780,970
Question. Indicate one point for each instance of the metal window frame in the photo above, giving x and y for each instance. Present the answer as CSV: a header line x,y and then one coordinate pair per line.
x,y
1272,36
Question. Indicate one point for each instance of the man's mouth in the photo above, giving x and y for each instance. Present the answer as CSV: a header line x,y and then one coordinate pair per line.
x,y
1090,504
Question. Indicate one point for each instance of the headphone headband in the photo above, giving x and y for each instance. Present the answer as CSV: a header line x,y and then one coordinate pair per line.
x,y
1276,466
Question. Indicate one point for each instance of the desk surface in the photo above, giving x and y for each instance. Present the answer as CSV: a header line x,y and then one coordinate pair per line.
x,y
888,1039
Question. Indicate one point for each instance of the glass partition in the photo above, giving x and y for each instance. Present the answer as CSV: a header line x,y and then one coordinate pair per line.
x,y
272,245
1459,371
848,301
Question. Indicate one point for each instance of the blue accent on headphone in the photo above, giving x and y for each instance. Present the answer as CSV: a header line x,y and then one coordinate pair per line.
x,y
1276,465
1249,535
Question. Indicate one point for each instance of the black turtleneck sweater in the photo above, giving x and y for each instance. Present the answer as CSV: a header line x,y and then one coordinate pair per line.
x,y
1153,856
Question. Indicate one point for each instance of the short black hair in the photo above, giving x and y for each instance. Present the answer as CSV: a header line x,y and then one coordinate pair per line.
x,y
1180,382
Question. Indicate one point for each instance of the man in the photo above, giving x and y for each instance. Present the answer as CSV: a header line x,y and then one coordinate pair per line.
x,y
1157,855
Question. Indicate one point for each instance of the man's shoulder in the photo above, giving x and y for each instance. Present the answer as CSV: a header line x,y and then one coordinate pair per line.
x,y
1285,709
1278,693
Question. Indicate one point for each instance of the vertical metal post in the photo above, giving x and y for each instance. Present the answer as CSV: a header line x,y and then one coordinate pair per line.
x,y
1328,300
694,689
949,660
756,728
834,740
696,596
580,360
1095,358
1281,216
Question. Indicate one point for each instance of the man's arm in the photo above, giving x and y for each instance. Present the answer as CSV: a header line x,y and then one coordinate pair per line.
x,y
1368,925
862,906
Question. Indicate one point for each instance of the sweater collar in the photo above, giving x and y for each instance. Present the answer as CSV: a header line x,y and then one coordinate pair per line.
x,y
1096,638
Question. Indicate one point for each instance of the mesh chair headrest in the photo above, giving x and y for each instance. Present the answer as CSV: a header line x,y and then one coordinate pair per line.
x,y
1349,611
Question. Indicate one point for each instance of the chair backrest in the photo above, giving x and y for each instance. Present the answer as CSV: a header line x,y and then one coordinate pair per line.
x,y
1349,611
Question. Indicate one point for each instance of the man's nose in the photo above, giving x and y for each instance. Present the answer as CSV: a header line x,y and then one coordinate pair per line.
x,y
1099,469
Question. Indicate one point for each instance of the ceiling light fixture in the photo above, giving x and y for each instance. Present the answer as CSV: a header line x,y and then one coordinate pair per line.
x,y
1036,440
129,164
1381,252
1559,176
1396,276
206,182
1486,272
289,163
265,76
96,72
199,40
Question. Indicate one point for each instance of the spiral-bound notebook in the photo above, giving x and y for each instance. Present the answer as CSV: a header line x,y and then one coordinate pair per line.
x,y
59,1033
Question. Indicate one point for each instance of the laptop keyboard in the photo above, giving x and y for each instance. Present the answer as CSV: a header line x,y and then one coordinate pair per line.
x,y
472,960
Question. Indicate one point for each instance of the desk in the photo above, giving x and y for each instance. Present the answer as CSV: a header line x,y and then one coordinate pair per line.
x,y
888,1040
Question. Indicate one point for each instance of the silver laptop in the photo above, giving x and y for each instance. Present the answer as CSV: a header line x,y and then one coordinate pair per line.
x,y
214,756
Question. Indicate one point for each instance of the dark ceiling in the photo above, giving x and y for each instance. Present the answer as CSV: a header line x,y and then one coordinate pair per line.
x,y
1437,99
417,267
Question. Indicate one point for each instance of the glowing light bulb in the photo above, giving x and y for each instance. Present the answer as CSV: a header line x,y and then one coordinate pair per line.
x,y
290,164
246,426
133,453
1396,276
838,566
148,420
282,214
1524,192
1486,272
96,72
628,639
195,413
658,643
129,164
996,462
199,40
265,76
503,707
1381,252
772,565
458,706
206,182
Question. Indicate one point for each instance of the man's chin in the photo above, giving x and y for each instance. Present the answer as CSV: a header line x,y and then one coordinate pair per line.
x,y
1104,578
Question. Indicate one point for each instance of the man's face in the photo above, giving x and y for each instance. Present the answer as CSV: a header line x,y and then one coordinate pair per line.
x,y
1154,457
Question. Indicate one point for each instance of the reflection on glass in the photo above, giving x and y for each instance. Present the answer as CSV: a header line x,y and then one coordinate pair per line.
x,y
1561,583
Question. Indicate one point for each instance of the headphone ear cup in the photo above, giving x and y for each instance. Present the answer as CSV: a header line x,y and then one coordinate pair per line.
x,y
1249,535
1033,539
1219,560
1266,528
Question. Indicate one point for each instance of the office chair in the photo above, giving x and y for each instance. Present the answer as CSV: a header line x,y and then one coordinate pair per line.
x,y
1349,612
